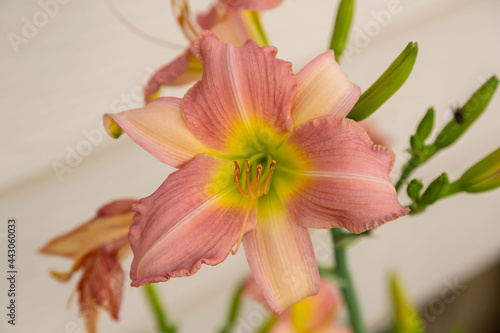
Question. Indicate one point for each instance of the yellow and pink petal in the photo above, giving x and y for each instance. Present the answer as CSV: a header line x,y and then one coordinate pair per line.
x,y
160,129
182,70
194,218
281,257
347,180
241,89
323,90
110,225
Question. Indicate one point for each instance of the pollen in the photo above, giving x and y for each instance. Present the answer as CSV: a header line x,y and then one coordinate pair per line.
x,y
250,184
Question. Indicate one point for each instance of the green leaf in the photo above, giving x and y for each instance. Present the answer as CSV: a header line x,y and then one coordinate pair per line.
x,y
472,109
482,176
345,13
392,79
426,124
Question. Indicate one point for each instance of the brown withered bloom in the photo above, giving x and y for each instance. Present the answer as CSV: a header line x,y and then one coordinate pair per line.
x,y
96,248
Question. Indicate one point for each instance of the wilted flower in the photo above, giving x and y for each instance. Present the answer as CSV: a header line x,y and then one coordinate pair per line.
x,y
96,248
264,155
232,21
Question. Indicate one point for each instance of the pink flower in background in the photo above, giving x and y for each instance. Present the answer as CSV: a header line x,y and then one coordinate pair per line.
x,y
318,314
232,21
96,248
264,154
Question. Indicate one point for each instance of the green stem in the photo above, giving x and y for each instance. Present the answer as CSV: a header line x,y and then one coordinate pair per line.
x,y
234,310
161,318
348,290
414,163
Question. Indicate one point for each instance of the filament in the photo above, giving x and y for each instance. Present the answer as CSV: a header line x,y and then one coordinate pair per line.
x,y
242,232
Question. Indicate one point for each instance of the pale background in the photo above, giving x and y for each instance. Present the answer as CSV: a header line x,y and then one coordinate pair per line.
x,y
84,63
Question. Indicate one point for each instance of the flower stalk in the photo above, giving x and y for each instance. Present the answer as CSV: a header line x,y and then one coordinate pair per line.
x,y
234,310
348,289
162,322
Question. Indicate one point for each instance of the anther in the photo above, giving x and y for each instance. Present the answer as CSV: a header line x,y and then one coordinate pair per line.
x,y
256,179
237,178
268,179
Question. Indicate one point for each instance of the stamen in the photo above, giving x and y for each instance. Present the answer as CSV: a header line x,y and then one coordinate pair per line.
x,y
247,169
242,231
181,10
237,178
271,170
256,178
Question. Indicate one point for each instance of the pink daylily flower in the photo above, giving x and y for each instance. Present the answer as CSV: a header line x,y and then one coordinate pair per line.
x,y
264,154
232,21
97,247
318,314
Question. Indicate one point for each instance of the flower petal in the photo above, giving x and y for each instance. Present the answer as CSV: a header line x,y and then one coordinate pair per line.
x,y
232,29
240,87
160,129
101,286
317,313
182,70
323,90
347,184
251,4
281,256
111,225
195,217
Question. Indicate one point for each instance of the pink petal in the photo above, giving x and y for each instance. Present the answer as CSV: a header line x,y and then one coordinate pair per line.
x,y
232,29
242,88
158,128
347,184
317,313
195,217
182,70
281,257
251,4
323,90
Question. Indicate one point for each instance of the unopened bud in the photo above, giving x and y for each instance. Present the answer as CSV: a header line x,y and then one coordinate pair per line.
x,y
436,189
482,176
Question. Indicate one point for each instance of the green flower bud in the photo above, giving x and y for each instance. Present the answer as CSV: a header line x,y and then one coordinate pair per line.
x,y
406,318
482,176
436,189
426,124
469,113
392,79
414,188
342,27
415,143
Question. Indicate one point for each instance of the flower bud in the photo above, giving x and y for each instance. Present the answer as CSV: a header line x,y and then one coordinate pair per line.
x,y
482,176
436,189
425,126
472,109
392,79
342,27
406,318
414,188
